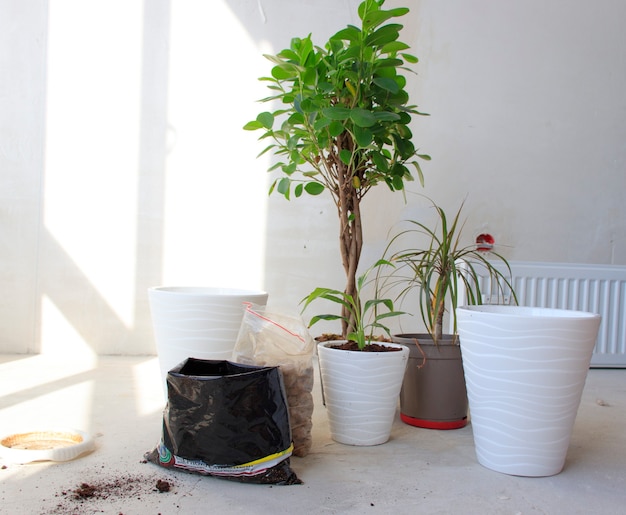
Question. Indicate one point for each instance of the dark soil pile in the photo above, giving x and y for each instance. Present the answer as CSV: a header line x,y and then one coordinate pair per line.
x,y
83,498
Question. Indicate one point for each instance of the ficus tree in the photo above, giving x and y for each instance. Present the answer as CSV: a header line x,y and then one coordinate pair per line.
x,y
341,122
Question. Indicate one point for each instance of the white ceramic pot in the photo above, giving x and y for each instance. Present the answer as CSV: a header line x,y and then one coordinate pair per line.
x,y
196,322
361,391
525,370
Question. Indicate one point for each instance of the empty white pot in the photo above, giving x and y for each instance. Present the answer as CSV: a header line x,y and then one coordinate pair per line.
x,y
361,392
525,369
197,322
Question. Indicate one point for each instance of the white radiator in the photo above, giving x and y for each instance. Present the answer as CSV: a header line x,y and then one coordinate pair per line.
x,y
594,288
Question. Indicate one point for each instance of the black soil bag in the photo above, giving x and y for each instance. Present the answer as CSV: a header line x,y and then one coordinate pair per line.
x,y
229,420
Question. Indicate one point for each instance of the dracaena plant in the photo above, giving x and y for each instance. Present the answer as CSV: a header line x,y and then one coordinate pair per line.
x,y
445,270
341,122
365,317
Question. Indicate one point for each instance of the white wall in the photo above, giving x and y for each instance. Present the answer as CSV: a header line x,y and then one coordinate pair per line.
x,y
529,103
123,164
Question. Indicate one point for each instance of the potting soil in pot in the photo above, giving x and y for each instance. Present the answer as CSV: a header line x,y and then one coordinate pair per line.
x,y
228,420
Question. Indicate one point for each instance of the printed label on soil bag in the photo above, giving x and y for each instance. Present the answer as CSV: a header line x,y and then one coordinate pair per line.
x,y
167,459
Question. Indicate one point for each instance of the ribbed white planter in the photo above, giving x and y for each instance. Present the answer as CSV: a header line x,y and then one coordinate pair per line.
x,y
525,369
361,391
196,322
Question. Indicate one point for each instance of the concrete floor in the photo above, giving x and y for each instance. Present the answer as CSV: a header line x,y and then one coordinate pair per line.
x,y
119,400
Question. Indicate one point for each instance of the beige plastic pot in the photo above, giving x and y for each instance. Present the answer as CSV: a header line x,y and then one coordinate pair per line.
x,y
433,394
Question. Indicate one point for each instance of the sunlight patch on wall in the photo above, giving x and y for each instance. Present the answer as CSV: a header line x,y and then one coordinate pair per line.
x,y
92,138
215,198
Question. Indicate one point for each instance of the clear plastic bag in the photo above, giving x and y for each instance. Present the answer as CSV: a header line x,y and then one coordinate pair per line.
x,y
273,339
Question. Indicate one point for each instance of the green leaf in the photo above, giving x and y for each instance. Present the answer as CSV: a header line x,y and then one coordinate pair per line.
x,y
292,142
375,18
394,46
281,73
283,187
296,119
398,183
298,190
325,87
350,33
382,165
321,123
308,106
345,156
305,48
266,119
330,294
317,318
253,125
336,112
410,58
405,118
405,133
266,149
309,77
272,186
420,175
375,302
362,117
273,58
336,128
387,84
398,170
363,136
384,63
384,35
286,55
313,188
296,158
334,45
386,116
403,146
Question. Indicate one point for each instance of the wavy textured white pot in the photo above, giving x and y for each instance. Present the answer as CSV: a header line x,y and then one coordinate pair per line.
x,y
197,322
525,370
361,391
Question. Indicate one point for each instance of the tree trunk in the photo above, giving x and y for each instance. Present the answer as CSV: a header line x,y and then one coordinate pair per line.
x,y
350,242
347,196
